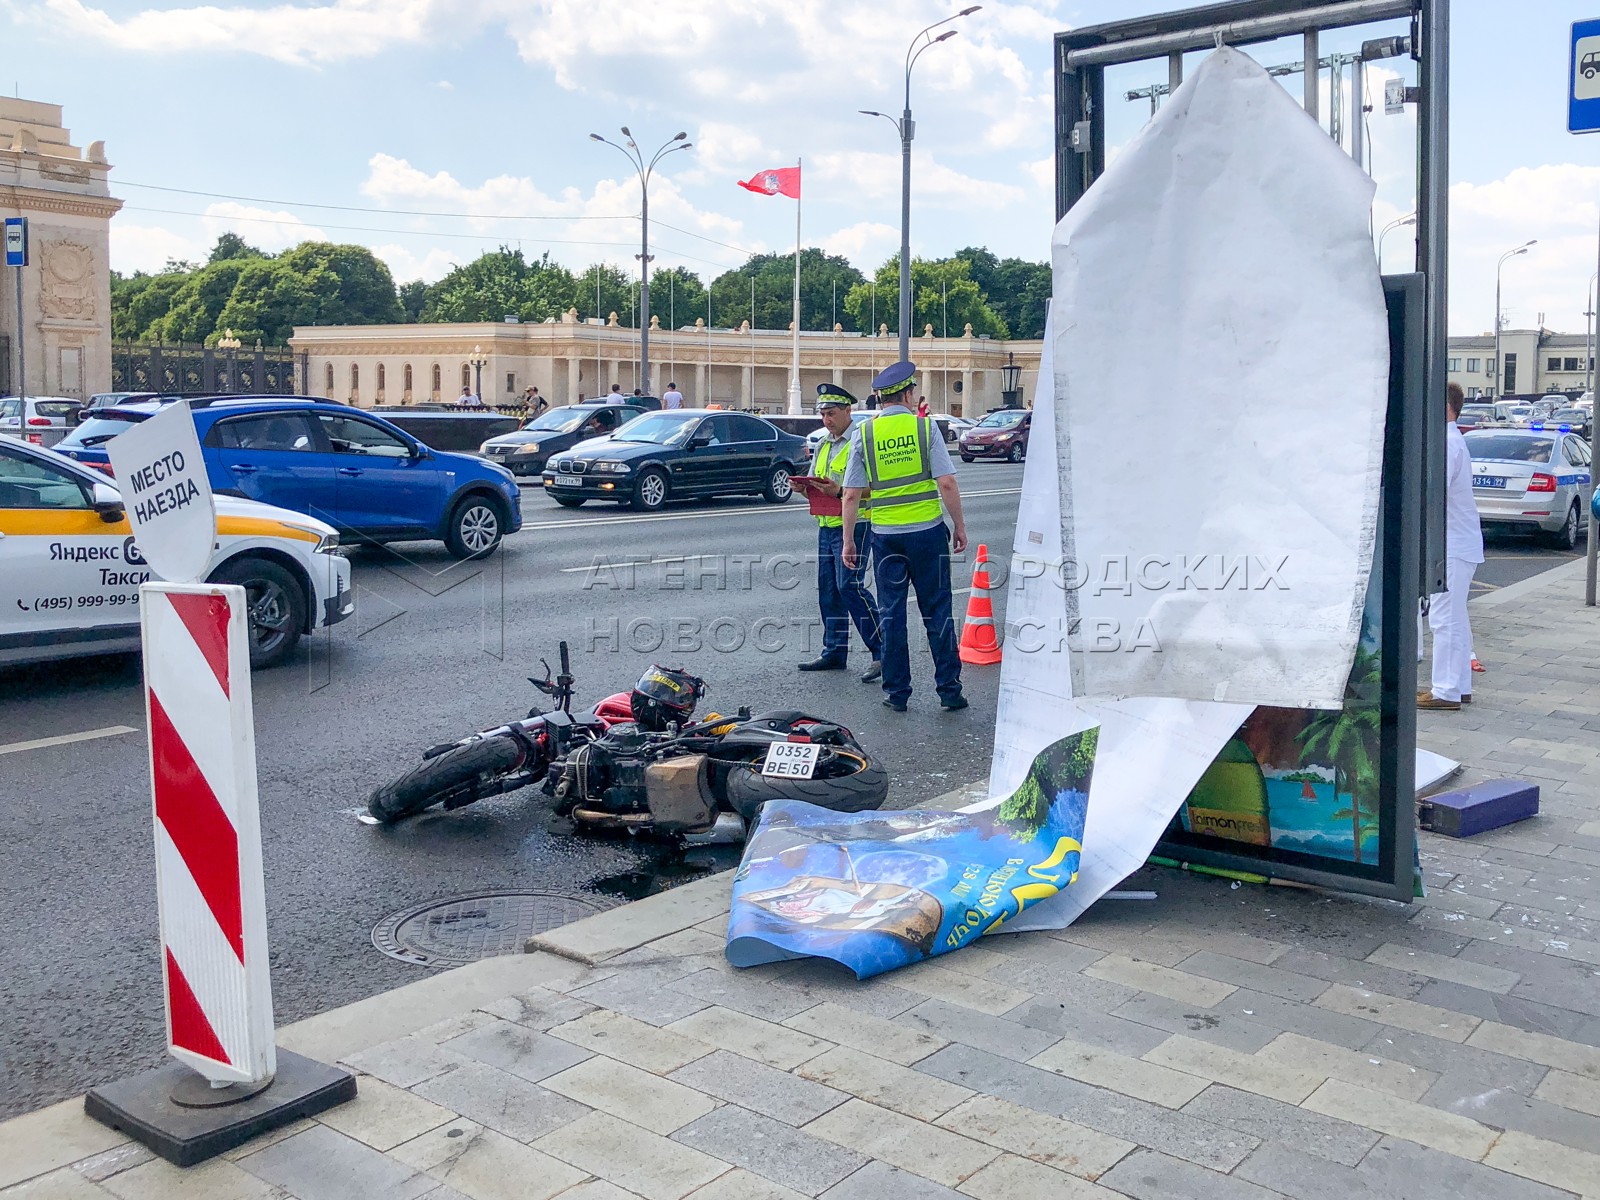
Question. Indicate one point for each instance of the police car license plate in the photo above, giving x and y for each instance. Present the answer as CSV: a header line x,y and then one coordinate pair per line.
x,y
1489,481
569,481
791,760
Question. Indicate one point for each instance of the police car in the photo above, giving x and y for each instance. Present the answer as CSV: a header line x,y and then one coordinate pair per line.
x,y
1535,480
70,571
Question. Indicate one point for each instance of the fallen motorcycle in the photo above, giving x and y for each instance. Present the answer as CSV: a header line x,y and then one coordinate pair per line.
x,y
637,763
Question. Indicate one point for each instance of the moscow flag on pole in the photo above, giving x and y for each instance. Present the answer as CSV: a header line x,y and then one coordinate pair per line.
x,y
782,181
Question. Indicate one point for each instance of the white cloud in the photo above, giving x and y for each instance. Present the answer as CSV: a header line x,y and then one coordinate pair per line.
x,y
270,231
1553,203
405,264
149,248
877,176
286,32
866,243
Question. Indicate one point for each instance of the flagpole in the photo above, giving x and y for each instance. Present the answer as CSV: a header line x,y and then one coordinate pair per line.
x,y
794,368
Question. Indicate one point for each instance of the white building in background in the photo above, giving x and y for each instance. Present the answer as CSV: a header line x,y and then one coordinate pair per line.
x,y
570,359
66,287
1536,362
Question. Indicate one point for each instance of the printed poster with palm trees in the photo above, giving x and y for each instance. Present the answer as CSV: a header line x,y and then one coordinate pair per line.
x,y
1297,781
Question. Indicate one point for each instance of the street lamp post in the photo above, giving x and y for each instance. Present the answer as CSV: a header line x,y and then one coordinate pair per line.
x,y
907,129
645,169
1397,223
477,362
1499,366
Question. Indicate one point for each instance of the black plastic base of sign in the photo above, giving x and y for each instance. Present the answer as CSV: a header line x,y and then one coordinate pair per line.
x,y
143,1108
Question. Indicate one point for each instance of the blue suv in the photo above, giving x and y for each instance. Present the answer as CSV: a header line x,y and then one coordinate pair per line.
x,y
347,467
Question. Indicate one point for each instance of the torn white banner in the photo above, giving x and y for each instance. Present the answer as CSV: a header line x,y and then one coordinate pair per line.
x,y
1221,367
1151,751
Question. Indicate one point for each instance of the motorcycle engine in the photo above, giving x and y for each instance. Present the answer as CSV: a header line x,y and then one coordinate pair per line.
x,y
608,772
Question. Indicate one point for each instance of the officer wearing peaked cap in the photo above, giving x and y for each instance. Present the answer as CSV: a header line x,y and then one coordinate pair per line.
x,y
899,464
842,592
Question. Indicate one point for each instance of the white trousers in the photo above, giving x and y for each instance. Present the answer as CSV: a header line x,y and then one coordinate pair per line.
x,y
1452,634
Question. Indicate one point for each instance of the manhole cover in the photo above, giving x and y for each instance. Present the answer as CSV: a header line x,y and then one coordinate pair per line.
x,y
462,929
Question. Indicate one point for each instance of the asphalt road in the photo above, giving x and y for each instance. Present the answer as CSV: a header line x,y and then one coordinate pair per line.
x,y
436,650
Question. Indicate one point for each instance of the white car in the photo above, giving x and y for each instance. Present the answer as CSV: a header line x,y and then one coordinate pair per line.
x,y
42,420
70,571
1531,480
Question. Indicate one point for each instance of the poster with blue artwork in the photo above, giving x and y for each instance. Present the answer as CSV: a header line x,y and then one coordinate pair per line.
x,y
879,890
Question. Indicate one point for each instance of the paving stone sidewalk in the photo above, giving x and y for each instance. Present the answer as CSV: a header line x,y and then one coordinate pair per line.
x,y
1223,1041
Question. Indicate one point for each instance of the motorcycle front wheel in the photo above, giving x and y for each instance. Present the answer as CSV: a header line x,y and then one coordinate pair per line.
x,y
848,781
440,779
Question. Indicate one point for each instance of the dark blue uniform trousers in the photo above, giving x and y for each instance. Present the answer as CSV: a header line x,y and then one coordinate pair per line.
x,y
919,561
844,595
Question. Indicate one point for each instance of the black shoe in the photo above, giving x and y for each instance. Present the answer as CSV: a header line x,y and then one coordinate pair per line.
x,y
955,705
896,705
873,673
822,664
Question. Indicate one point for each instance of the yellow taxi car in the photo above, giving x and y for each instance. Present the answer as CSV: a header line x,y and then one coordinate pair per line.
x,y
70,571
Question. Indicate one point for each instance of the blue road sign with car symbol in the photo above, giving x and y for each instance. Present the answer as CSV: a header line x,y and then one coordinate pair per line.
x,y
1583,82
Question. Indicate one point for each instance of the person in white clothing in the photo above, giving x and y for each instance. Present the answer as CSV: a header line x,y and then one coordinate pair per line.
x,y
615,396
1463,543
672,397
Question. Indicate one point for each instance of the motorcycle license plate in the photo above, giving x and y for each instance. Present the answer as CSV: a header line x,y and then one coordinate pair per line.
x,y
568,481
791,760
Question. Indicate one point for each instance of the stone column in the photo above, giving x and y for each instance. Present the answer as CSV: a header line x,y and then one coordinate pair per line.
x,y
62,190
702,386
574,381
747,386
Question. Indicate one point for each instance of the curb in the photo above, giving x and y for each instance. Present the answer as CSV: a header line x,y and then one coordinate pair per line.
x,y
1523,587
593,940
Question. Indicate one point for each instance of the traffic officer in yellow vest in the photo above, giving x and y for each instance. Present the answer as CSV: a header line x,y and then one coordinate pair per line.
x,y
842,592
899,462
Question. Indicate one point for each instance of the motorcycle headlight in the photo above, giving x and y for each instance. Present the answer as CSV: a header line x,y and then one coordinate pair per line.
x,y
606,467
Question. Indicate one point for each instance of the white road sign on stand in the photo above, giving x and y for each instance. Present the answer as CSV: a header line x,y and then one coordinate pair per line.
x,y
168,497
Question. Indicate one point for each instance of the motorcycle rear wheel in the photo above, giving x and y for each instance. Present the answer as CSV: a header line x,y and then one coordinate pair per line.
x,y
439,778
861,784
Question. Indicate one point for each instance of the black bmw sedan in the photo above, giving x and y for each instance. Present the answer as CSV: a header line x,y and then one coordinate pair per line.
x,y
678,454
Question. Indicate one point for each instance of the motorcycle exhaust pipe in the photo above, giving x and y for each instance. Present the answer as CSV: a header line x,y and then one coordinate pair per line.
x,y
726,830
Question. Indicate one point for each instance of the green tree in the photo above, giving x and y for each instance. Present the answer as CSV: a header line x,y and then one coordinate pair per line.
x,y
1347,740
231,245
1018,290
413,296
944,295
822,278
615,293
194,312
139,301
500,284
677,296
353,285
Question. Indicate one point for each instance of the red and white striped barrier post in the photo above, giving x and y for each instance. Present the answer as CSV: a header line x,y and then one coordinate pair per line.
x,y
209,877
209,882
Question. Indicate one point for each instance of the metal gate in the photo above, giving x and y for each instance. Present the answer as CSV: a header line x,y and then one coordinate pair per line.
x,y
181,368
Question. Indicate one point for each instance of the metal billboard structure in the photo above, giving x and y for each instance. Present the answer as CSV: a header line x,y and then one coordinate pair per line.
x,y
1409,560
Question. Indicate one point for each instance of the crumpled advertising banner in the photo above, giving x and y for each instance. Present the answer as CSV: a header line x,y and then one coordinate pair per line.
x,y
880,890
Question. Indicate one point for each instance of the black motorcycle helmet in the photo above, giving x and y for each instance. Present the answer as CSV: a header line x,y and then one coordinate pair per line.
x,y
665,697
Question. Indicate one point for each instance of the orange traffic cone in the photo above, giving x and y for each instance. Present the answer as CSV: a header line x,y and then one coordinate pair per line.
x,y
978,642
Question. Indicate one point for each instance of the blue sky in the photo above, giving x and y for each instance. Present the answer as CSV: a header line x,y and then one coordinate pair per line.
x,y
480,110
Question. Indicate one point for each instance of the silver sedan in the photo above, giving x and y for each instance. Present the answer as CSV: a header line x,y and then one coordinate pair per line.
x,y
1534,480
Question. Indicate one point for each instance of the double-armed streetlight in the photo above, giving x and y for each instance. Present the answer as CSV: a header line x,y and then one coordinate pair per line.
x,y
1499,366
1397,223
907,129
630,151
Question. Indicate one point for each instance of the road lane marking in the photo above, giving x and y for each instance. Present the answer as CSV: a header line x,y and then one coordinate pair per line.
x,y
67,738
590,523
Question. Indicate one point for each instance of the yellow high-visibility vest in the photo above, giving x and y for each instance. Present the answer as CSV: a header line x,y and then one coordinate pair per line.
x,y
898,450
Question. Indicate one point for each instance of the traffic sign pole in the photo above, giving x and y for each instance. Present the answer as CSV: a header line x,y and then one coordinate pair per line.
x,y
1583,116
17,257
